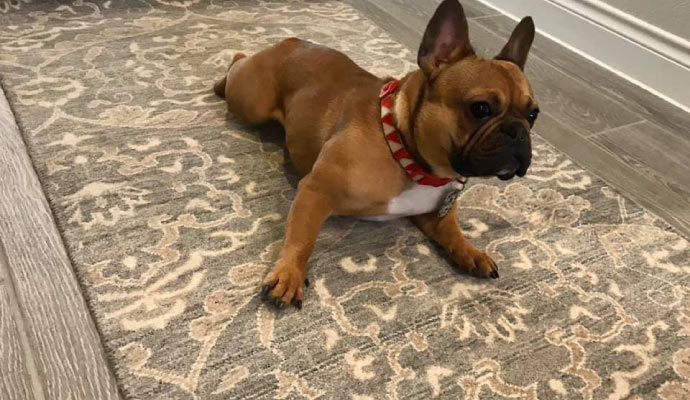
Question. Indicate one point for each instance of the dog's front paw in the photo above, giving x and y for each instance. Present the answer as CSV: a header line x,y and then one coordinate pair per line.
x,y
283,286
476,262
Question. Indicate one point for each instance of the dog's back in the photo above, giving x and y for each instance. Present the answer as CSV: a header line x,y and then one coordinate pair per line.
x,y
322,88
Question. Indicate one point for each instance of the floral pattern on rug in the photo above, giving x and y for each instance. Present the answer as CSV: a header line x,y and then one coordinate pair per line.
x,y
172,212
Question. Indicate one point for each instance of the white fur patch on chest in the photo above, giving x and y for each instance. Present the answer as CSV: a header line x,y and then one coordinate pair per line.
x,y
416,199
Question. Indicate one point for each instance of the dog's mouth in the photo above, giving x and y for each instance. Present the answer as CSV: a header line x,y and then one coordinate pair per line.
x,y
502,156
506,175
503,170
518,168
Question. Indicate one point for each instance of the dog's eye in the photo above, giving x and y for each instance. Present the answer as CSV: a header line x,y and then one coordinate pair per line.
x,y
533,115
481,110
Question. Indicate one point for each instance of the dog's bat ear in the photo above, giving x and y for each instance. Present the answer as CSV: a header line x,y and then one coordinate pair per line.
x,y
518,45
445,40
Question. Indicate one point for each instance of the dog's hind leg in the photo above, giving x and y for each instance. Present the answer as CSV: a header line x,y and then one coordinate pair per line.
x,y
251,86
220,87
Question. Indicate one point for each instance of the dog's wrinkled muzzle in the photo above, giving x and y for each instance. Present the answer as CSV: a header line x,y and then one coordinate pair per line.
x,y
504,153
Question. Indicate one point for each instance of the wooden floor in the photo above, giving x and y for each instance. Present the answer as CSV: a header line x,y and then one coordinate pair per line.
x,y
49,346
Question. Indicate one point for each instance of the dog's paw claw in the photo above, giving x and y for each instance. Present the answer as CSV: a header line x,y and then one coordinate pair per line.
x,y
265,289
477,263
278,303
283,287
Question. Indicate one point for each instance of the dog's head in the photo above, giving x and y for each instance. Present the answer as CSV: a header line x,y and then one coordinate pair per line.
x,y
472,116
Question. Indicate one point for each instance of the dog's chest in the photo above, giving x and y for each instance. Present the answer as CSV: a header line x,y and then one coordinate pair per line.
x,y
415,200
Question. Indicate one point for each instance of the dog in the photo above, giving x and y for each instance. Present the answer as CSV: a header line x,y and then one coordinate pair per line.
x,y
382,148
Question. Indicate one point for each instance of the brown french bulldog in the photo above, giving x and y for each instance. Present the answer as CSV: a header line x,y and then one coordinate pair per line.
x,y
380,148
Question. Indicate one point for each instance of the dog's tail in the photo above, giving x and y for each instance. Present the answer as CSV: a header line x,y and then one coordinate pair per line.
x,y
219,87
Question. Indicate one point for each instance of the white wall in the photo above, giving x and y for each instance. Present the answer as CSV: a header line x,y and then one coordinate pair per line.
x,y
670,15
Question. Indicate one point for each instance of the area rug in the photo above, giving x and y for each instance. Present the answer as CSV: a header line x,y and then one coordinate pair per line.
x,y
172,212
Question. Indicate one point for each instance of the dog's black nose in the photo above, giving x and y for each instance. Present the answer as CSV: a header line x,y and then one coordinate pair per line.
x,y
515,130
524,157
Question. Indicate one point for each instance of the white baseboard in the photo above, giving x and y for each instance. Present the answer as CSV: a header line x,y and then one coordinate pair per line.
x,y
654,59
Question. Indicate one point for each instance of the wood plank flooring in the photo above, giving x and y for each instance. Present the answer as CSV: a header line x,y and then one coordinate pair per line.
x,y
61,338
653,151
16,370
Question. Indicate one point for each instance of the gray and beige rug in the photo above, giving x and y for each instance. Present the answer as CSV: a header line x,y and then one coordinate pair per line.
x,y
172,212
